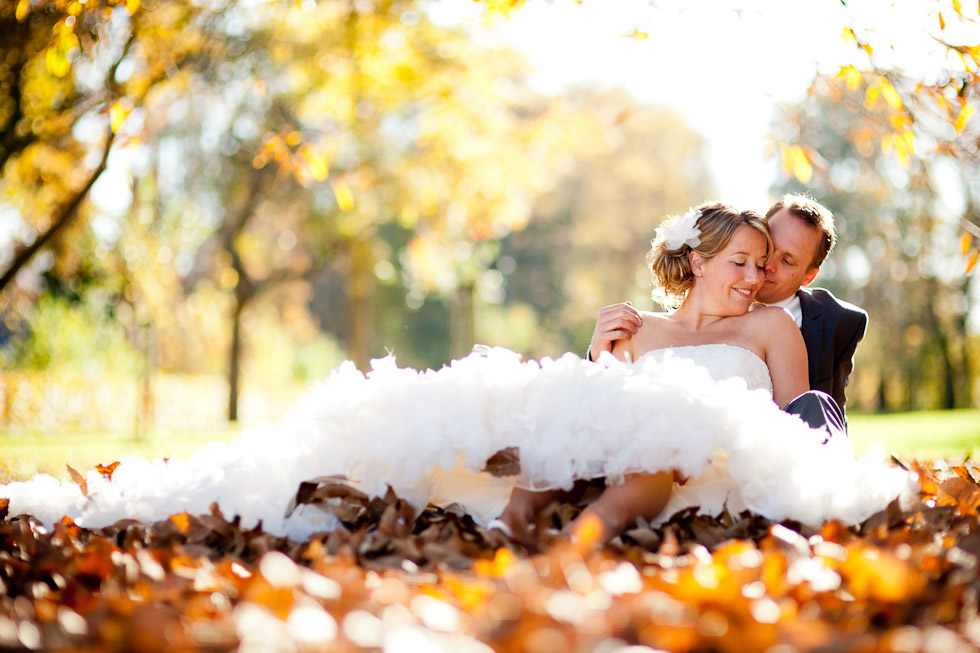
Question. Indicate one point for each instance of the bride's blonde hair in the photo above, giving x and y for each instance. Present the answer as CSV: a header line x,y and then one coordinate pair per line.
x,y
718,222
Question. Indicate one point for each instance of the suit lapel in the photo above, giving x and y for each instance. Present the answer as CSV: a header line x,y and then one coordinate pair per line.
x,y
812,331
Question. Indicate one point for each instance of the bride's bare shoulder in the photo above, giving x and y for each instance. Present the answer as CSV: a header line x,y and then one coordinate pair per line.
x,y
770,316
653,321
653,330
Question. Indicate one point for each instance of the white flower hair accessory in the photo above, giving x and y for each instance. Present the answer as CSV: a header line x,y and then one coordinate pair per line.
x,y
677,231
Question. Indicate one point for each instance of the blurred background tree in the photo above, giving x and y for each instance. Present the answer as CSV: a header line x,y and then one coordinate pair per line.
x,y
903,253
201,202
586,242
340,143
895,155
259,192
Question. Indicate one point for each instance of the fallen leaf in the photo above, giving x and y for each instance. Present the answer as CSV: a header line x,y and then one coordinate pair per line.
x,y
107,470
182,521
78,478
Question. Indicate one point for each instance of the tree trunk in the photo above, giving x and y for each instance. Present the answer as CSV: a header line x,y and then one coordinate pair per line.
x,y
882,393
964,377
235,356
360,314
948,376
360,280
462,325
949,382
146,404
968,374
909,386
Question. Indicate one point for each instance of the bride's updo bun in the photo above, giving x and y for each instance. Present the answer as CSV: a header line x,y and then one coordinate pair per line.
x,y
706,229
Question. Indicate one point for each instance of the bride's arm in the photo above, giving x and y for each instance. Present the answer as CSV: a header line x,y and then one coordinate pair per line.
x,y
623,350
785,355
628,350
647,337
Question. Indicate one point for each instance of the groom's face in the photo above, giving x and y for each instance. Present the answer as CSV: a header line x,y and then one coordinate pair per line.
x,y
796,245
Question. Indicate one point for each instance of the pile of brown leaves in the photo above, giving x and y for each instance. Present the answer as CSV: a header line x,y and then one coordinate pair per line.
x,y
904,580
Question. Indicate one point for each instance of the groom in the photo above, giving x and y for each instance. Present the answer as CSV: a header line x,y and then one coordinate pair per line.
x,y
803,234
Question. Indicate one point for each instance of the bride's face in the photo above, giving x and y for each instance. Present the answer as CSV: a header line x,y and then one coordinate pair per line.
x,y
730,280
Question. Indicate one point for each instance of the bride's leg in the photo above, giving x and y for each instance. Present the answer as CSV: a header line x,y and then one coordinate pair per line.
x,y
524,504
639,495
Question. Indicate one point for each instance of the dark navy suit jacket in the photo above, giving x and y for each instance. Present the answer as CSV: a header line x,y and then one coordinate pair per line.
x,y
831,329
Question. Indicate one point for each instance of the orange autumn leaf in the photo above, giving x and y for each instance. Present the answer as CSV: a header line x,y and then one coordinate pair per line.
x,y
973,261
97,559
961,493
78,478
345,198
70,527
849,36
317,162
851,76
469,594
965,114
961,471
589,531
927,482
502,561
901,144
743,592
107,470
182,521
871,96
873,573
785,158
890,94
800,164
118,113
965,241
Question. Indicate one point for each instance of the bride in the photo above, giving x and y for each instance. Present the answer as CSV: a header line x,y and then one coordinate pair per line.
x,y
711,261
692,395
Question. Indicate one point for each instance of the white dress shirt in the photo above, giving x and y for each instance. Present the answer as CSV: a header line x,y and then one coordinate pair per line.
x,y
792,306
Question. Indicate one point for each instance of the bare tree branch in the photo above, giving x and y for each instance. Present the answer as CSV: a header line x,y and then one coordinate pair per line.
x,y
67,214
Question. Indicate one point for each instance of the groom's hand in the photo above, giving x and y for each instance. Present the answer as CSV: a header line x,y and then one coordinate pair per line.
x,y
615,322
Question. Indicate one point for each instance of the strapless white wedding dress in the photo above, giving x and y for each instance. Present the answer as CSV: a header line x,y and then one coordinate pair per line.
x,y
706,411
722,362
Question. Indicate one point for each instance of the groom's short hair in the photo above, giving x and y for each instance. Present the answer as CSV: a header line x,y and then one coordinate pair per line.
x,y
814,214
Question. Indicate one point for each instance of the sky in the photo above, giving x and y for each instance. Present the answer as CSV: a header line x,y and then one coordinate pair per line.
x,y
725,65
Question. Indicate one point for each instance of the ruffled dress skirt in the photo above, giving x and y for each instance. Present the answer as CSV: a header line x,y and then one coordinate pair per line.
x,y
427,435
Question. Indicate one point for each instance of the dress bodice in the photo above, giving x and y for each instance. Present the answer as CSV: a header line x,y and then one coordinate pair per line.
x,y
722,361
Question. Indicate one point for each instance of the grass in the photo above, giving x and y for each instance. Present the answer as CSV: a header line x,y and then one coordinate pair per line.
x,y
922,435
23,455
919,435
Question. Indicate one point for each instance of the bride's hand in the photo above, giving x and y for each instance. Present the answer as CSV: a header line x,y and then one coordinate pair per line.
x,y
615,322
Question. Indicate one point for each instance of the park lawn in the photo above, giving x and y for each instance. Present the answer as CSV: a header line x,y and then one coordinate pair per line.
x,y
23,455
923,435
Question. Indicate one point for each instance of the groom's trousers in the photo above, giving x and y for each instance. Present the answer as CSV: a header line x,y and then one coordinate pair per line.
x,y
821,412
